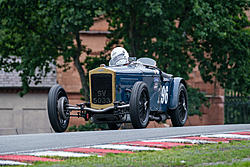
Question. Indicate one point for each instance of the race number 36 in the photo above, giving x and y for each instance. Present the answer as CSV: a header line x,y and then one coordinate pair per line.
x,y
164,95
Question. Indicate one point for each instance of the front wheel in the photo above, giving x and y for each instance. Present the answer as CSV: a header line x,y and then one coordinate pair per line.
x,y
58,114
139,105
179,115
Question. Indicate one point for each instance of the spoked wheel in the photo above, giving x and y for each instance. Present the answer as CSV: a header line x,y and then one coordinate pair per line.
x,y
179,115
114,126
139,105
58,114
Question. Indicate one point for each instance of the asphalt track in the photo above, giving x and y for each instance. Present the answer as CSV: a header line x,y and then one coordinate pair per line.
x,y
44,141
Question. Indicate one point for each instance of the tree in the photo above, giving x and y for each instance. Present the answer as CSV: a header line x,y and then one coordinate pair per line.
x,y
179,34
183,33
35,33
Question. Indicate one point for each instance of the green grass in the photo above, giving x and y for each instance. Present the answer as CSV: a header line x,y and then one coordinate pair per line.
x,y
225,154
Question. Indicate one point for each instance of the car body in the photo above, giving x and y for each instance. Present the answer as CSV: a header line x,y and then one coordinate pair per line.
x,y
137,92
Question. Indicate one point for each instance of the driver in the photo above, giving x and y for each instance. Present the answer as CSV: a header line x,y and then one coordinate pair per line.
x,y
119,56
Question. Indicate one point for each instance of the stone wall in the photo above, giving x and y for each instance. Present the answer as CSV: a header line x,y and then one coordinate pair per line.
x,y
23,115
29,113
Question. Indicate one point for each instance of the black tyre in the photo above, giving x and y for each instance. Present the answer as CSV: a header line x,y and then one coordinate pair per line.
x,y
58,115
179,115
114,126
139,105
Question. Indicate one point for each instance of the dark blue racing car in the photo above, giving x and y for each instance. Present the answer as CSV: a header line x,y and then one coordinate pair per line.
x,y
130,92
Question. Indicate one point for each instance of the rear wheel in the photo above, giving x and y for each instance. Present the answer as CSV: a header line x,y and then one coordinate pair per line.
x,y
179,115
58,114
139,105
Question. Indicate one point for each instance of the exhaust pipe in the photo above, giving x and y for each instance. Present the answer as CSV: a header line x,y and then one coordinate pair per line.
x,y
161,117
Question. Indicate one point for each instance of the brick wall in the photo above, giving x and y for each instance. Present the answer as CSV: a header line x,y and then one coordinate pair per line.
x,y
70,80
215,113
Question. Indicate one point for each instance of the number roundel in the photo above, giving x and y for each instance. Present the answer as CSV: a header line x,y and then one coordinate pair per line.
x,y
164,95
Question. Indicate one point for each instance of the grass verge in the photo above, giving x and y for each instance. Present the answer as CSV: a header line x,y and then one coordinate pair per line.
x,y
221,154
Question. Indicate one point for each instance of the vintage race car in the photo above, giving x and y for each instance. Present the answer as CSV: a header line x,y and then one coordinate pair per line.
x,y
136,93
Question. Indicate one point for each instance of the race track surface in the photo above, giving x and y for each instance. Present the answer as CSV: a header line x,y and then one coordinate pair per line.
x,y
34,142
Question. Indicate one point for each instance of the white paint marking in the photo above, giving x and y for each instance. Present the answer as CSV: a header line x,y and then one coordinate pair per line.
x,y
181,141
58,153
234,136
125,147
7,162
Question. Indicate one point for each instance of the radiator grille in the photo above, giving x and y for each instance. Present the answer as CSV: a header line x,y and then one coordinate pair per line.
x,y
101,88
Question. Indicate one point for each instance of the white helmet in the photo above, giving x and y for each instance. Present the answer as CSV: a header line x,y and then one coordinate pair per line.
x,y
119,56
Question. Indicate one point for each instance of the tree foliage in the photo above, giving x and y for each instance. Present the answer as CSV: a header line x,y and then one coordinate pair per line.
x,y
35,33
183,33
179,34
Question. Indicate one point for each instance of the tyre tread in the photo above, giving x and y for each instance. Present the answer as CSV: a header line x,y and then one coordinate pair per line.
x,y
174,114
133,105
52,113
